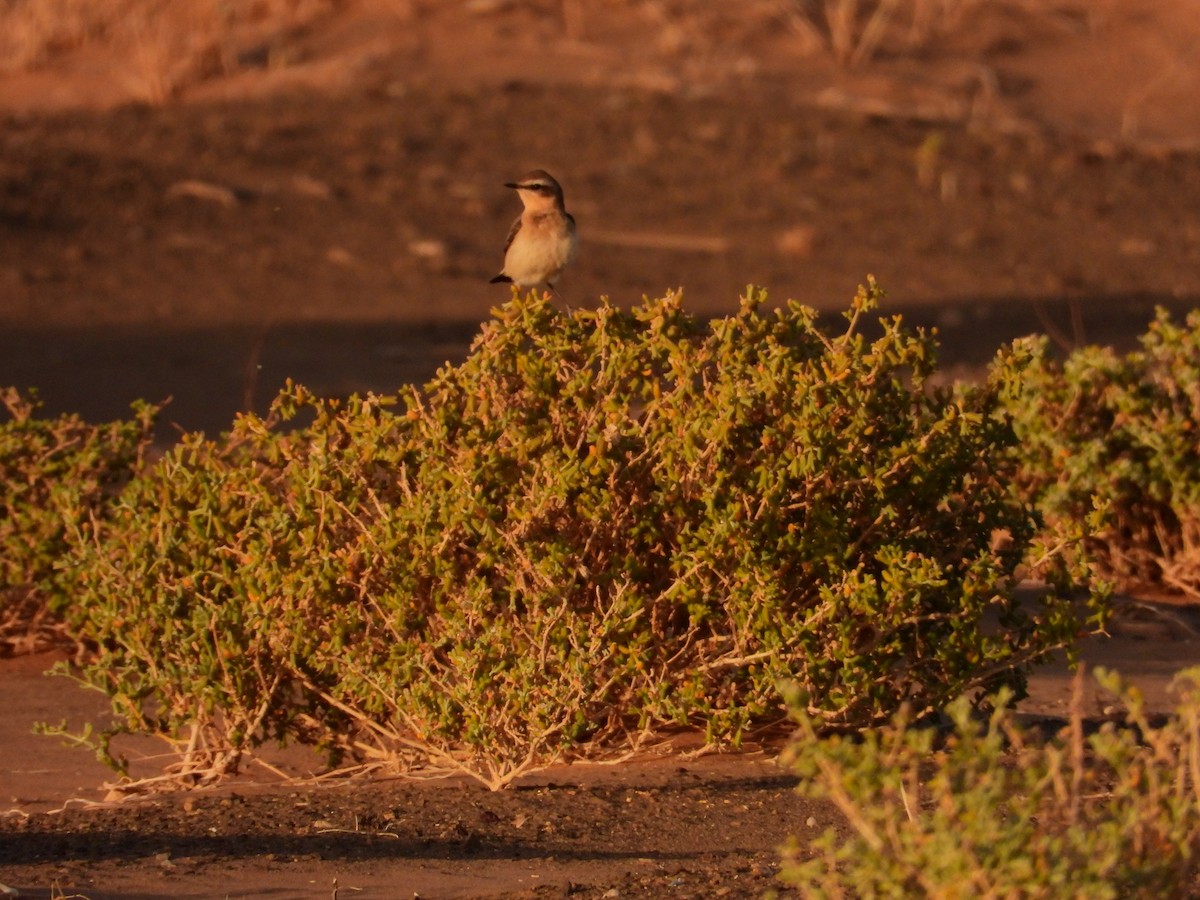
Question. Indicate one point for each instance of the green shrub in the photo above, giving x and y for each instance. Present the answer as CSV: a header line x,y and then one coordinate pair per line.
x,y
994,810
601,524
56,475
1121,433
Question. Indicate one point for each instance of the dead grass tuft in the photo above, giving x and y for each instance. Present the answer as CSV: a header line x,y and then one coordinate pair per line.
x,y
171,45
28,626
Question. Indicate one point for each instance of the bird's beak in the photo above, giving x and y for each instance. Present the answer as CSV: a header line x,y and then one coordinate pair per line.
x,y
511,184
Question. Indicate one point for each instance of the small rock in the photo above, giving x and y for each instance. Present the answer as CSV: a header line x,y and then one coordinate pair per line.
x,y
203,190
1137,247
307,186
797,241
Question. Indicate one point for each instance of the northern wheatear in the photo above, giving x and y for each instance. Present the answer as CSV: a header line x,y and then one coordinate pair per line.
x,y
542,241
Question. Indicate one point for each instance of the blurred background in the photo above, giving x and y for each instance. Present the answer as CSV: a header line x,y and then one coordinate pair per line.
x,y
200,200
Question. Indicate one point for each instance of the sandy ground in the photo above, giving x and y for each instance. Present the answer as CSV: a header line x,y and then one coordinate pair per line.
x,y
333,214
659,825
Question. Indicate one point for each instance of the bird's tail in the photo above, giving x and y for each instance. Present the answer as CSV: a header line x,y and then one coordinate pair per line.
x,y
501,279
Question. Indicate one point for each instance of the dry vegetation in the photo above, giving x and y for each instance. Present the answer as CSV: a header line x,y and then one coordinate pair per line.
x,y
173,46
853,32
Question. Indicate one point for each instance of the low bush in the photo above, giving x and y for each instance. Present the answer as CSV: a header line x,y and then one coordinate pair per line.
x,y
1120,432
995,810
57,475
601,524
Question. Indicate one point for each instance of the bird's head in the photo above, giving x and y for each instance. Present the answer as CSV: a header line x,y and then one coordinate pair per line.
x,y
537,189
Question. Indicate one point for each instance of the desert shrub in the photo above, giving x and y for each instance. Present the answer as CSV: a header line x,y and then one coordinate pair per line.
x,y
168,41
600,524
56,475
1121,432
997,810
853,32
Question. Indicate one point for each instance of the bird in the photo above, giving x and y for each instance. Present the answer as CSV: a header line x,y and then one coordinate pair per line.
x,y
542,241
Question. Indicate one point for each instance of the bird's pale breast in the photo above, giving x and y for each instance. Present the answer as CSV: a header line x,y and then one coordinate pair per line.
x,y
543,248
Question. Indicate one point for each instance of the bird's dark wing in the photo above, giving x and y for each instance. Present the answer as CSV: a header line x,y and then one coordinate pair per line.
x,y
512,233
